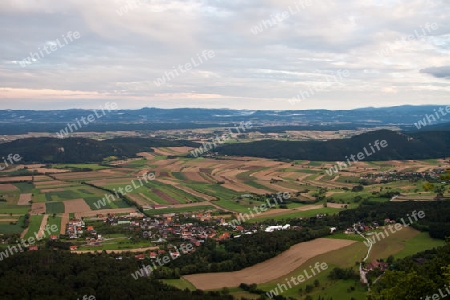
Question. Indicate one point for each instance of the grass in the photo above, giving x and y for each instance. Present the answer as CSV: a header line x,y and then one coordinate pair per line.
x,y
35,224
343,236
181,283
420,242
55,221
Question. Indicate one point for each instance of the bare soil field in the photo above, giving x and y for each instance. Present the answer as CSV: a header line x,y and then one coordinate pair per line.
x,y
75,205
64,221
39,178
16,178
8,187
53,190
38,208
180,150
147,155
271,269
163,151
24,199
8,220
414,198
194,176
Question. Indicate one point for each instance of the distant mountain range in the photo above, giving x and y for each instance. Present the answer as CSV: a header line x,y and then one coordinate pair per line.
x,y
24,121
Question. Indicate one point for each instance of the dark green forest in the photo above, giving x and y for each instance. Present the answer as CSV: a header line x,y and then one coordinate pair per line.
x,y
415,277
420,145
436,221
237,254
59,275
82,150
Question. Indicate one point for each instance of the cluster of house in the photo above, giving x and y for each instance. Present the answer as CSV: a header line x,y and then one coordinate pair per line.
x,y
172,250
75,228
376,265
361,227
390,176
161,228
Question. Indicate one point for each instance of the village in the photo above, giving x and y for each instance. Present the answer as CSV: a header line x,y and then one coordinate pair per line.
x,y
159,234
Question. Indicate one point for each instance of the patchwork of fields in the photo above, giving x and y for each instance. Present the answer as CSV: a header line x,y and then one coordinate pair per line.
x,y
224,183
232,185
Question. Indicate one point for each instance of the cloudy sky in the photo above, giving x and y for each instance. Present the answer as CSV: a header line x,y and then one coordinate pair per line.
x,y
254,54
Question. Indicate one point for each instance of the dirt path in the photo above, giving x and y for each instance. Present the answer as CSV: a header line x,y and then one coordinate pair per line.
x,y
64,221
24,233
271,269
42,227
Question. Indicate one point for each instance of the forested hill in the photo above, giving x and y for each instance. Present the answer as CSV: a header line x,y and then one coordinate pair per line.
x,y
60,275
420,145
82,150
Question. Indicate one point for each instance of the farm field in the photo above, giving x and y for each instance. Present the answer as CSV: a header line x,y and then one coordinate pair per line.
x,y
229,184
35,224
405,242
270,269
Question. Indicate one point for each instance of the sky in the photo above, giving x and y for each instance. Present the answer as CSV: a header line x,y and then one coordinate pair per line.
x,y
254,54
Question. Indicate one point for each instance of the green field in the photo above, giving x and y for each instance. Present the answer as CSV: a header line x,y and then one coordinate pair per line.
x,y
181,283
94,167
7,228
13,209
80,191
35,224
420,242
118,203
54,208
25,187
55,221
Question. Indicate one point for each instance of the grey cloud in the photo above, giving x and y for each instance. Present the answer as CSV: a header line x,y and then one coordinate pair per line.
x,y
438,72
